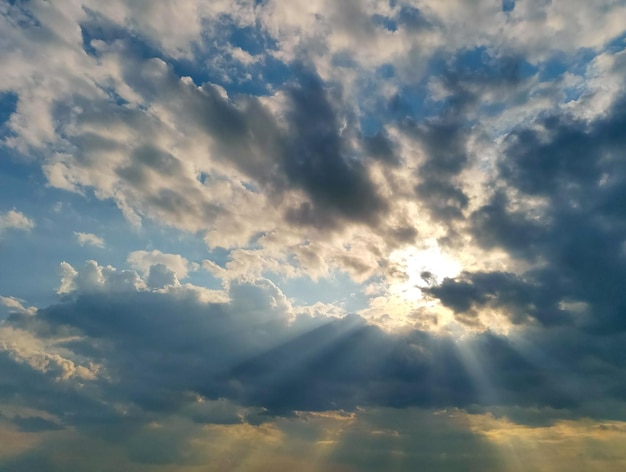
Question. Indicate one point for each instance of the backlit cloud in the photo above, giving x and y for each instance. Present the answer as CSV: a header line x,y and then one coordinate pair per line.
x,y
357,235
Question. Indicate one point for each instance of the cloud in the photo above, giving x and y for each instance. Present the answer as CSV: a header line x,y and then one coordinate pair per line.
x,y
15,220
17,305
89,239
316,162
256,350
571,239
93,278
451,171
144,261
35,424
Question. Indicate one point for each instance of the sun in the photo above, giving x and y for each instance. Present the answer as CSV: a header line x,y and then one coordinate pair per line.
x,y
402,302
421,267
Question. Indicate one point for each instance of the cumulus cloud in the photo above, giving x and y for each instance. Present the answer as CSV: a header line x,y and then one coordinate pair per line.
x,y
144,261
571,239
89,239
93,278
15,220
128,369
259,351
456,169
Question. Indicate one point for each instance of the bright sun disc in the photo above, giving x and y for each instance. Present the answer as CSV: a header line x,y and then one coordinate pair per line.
x,y
422,267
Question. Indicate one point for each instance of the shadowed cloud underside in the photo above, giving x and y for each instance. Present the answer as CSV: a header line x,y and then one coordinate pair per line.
x,y
312,235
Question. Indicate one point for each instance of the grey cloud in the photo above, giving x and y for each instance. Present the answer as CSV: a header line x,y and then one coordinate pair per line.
x,y
312,155
467,82
521,299
381,147
318,159
157,349
444,143
425,448
574,237
160,276
33,424
412,18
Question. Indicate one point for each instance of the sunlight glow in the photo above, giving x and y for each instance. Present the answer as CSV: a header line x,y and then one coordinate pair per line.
x,y
401,302
422,267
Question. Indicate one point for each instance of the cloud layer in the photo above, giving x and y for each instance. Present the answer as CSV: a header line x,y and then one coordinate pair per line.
x,y
325,222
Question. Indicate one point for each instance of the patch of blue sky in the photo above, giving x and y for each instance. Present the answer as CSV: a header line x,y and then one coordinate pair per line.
x,y
370,125
253,40
385,22
553,69
257,79
386,71
481,63
508,6
343,59
415,102
97,27
410,102
617,44
411,18
572,94
211,60
8,105
215,62
29,262
559,64
375,110
22,15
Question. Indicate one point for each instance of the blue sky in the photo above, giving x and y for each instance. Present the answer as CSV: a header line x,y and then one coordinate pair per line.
x,y
312,235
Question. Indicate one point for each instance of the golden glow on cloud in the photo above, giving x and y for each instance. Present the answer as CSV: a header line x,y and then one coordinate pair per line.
x,y
331,440
400,302
567,445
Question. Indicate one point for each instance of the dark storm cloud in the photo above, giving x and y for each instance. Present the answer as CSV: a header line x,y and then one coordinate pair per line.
x,y
576,235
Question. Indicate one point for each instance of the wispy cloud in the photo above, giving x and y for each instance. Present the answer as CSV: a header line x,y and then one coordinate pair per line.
x,y
15,220
88,239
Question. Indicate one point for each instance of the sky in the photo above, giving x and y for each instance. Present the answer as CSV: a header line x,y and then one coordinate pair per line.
x,y
312,235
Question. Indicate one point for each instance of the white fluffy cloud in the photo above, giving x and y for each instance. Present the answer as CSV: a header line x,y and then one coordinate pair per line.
x,y
89,239
153,107
16,305
144,260
95,278
15,220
